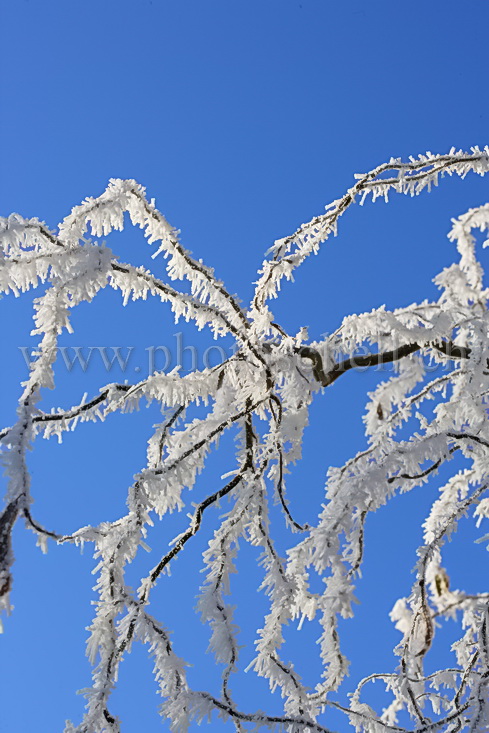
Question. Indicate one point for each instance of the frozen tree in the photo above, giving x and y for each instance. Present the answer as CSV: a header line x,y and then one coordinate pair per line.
x,y
263,392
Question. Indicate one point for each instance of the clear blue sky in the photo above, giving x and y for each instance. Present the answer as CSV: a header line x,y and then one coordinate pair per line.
x,y
243,120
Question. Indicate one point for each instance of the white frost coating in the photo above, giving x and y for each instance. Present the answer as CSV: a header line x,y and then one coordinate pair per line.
x,y
415,423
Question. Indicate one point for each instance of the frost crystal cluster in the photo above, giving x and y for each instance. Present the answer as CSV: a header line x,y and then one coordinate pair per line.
x,y
271,380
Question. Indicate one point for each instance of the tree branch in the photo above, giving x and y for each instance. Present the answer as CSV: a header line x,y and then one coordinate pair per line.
x,y
361,361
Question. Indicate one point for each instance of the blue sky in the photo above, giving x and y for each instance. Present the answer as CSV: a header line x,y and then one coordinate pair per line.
x,y
243,120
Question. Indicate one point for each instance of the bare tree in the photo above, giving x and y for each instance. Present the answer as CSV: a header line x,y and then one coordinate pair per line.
x,y
271,380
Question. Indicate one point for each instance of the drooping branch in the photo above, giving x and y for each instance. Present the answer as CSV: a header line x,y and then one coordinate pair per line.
x,y
7,520
262,390
194,526
207,502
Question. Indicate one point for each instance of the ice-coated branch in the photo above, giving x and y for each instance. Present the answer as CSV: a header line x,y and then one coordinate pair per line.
x,y
361,361
411,178
418,427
